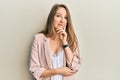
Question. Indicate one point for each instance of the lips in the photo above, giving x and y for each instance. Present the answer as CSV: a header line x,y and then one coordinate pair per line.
x,y
60,24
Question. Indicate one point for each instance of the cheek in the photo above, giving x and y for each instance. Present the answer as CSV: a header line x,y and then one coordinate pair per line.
x,y
54,23
55,20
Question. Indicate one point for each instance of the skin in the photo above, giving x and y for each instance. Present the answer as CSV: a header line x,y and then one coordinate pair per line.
x,y
59,24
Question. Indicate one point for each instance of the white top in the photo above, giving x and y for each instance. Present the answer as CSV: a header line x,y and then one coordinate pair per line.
x,y
57,61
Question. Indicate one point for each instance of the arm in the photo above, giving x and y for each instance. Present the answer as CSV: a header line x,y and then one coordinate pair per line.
x,y
62,71
68,52
35,67
72,60
49,72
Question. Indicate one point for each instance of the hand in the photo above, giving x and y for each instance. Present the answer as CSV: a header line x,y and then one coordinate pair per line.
x,y
66,71
63,34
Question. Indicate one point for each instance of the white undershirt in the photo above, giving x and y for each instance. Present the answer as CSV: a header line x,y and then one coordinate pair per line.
x,y
57,61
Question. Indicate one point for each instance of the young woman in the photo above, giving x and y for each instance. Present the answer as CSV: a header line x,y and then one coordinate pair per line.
x,y
54,54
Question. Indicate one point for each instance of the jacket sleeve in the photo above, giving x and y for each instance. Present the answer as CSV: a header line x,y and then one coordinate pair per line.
x,y
75,64
35,68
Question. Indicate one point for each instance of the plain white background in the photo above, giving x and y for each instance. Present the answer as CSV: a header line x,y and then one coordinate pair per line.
x,y
96,23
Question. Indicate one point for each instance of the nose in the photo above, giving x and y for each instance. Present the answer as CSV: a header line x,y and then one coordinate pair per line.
x,y
62,20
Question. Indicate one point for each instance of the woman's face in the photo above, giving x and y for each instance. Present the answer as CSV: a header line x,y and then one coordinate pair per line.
x,y
60,18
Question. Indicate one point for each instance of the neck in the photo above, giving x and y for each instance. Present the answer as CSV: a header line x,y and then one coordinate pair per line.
x,y
56,37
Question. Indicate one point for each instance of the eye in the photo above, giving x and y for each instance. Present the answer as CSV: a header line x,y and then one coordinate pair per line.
x,y
58,15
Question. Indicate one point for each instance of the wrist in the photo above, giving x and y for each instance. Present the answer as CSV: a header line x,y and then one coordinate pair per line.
x,y
66,45
57,71
65,42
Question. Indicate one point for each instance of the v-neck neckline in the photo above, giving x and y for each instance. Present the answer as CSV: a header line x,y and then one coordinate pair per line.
x,y
51,50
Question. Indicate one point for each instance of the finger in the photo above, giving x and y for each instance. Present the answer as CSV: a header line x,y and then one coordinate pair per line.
x,y
59,31
62,33
73,71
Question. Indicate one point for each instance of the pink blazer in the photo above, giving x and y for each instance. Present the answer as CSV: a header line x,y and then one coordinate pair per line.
x,y
40,59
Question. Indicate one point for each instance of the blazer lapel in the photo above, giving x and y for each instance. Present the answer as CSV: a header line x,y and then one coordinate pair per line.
x,y
47,53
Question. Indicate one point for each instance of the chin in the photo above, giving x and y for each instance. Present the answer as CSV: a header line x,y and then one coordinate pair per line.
x,y
60,27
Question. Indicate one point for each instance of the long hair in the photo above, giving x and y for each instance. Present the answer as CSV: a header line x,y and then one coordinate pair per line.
x,y
49,31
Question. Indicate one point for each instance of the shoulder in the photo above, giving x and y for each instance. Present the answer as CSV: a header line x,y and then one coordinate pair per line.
x,y
40,36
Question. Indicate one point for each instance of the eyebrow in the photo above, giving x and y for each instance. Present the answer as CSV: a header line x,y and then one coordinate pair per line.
x,y
61,14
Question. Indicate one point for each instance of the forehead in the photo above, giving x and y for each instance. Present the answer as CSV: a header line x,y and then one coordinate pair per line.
x,y
61,10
